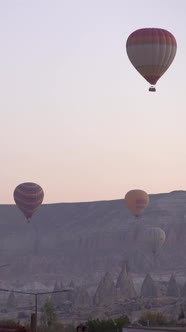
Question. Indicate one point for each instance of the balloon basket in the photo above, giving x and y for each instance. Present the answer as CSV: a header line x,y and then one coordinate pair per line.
x,y
152,89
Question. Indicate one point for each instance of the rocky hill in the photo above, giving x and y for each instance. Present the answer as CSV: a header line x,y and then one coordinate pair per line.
x,y
82,241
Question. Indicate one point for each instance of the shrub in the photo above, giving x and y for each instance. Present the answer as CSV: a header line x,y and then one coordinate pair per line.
x,y
153,319
109,325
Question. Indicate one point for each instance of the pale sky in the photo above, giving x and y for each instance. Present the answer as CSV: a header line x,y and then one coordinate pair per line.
x,y
75,116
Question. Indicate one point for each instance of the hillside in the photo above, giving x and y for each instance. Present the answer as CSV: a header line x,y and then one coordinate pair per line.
x,y
81,241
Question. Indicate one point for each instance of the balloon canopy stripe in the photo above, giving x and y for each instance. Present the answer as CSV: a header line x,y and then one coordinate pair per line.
x,y
28,203
27,191
141,204
29,197
147,36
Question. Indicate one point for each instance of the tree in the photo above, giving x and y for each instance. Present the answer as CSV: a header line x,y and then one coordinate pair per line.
x,y
11,302
181,315
48,317
56,297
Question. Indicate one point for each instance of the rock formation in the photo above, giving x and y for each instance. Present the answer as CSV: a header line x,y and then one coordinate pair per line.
x,y
106,291
125,287
82,299
149,288
172,288
183,291
71,284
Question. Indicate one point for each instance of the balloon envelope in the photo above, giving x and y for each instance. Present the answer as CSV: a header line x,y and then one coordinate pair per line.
x,y
28,197
154,239
136,201
151,51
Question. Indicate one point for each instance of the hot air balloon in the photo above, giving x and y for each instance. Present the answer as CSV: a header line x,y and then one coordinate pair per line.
x,y
151,51
136,201
154,239
28,197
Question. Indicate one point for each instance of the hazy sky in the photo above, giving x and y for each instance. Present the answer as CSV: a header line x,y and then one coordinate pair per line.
x,y
75,116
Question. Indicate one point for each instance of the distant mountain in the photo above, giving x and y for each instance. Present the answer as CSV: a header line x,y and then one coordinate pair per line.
x,y
83,241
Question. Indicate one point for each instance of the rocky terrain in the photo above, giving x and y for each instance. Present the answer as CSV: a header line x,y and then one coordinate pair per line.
x,y
111,299
86,242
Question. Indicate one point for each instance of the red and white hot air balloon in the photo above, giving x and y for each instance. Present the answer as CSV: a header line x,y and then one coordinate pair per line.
x,y
151,51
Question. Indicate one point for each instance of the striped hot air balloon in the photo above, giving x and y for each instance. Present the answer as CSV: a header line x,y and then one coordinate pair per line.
x,y
28,197
151,51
